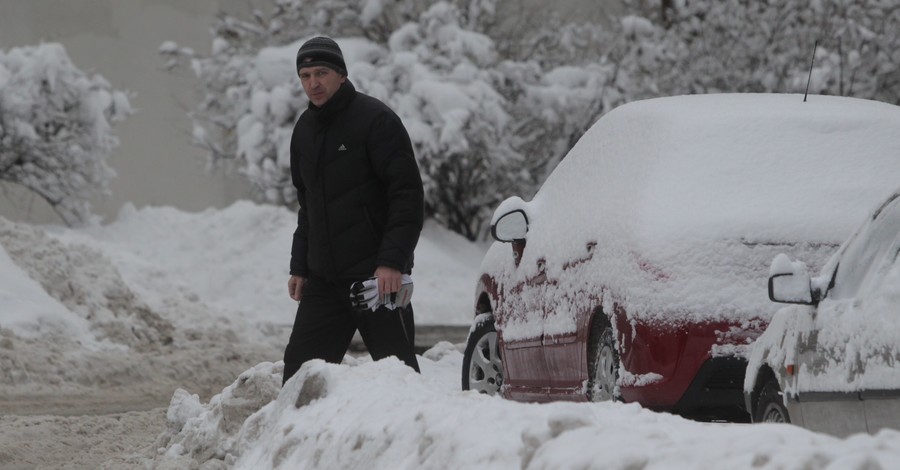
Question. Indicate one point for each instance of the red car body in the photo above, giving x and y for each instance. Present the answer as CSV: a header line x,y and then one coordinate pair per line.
x,y
555,367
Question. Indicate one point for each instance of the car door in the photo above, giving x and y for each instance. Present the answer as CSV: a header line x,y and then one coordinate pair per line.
x,y
566,311
882,406
861,266
527,375
882,409
840,413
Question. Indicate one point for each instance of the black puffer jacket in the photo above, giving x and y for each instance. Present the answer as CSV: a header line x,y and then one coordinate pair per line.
x,y
359,188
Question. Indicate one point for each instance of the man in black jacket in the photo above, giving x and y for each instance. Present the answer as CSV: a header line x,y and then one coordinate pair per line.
x,y
361,212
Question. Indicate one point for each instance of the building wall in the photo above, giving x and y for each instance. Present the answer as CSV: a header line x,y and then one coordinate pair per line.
x,y
156,164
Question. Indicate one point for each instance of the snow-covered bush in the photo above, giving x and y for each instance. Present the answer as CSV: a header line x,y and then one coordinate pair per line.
x,y
56,128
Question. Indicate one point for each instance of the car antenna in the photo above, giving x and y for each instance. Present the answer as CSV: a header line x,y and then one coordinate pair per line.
x,y
813,61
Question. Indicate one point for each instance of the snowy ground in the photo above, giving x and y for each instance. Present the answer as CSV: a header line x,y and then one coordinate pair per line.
x,y
118,344
115,318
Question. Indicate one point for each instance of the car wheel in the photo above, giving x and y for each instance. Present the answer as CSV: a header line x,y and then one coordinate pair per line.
x,y
482,367
603,362
770,408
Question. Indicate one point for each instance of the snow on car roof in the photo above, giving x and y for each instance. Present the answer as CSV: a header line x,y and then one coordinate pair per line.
x,y
764,167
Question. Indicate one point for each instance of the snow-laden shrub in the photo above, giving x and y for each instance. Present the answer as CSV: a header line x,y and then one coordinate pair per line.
x,y
56,128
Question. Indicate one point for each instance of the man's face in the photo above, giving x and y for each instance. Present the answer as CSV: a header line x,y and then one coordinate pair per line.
x,y
320,83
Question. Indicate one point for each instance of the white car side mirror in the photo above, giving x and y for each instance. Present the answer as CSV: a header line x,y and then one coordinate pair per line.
x,y
789,282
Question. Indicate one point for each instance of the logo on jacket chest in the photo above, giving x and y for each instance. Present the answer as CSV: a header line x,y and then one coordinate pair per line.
x,y
342,148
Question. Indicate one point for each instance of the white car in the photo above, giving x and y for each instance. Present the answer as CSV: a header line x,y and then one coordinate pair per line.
x,y
830,364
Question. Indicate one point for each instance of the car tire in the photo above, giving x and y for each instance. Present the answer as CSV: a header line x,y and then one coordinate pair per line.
x,y
603,362
482,368
770,406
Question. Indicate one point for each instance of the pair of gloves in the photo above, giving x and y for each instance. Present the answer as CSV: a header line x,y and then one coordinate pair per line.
x,y
364,295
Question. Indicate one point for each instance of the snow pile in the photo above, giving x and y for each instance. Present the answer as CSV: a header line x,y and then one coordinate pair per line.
x,y
235,260
206,432
689,198
382,415
162,298
72,325
27,308
86,283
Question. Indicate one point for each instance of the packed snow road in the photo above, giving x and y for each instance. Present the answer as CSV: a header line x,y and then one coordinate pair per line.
x,y
106,441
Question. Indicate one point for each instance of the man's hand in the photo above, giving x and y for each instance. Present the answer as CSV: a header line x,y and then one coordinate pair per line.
x,y
389,279
295,287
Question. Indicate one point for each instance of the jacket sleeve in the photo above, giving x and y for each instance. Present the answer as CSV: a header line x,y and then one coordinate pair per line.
x,y
300,244
392,158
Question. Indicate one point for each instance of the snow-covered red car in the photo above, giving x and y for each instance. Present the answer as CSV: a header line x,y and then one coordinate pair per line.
x,y
635,272
830,363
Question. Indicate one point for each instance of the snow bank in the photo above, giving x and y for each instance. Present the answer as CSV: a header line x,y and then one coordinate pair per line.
x,y
382,415
235,260
162,298
28,309
87,284
71,324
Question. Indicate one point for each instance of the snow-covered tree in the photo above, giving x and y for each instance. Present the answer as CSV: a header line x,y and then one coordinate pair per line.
x,y
433,62
707,46
56,128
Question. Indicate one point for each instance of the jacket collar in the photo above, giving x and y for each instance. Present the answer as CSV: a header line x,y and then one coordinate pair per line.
x,y
338,102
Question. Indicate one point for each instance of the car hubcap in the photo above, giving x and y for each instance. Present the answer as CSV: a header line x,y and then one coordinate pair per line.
x,y
773,414
486,369
605,374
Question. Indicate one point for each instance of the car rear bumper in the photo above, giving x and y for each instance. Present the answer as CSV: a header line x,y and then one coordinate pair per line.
x,y
717,390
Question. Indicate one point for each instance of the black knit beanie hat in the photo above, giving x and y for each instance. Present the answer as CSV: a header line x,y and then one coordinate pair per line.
x,y
321,51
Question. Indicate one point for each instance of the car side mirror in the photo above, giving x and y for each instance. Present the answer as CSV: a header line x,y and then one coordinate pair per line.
x,y
789,282
510,227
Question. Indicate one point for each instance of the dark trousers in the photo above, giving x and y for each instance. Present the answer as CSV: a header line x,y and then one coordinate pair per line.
x,y
326,322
